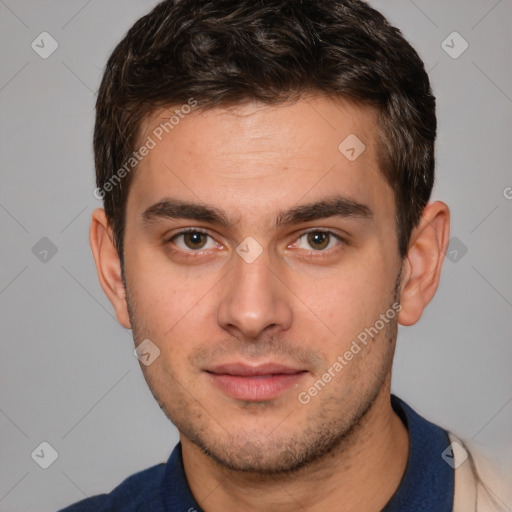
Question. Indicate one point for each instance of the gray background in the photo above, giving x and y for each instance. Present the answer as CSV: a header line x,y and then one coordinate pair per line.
x,y
68,375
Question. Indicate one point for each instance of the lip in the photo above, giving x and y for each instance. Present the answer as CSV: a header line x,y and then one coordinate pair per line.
x,y
254,383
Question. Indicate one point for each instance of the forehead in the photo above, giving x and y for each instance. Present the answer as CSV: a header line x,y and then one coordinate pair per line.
x,y
254,155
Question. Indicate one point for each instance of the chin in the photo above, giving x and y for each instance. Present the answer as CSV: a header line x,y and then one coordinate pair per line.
x,y
270,454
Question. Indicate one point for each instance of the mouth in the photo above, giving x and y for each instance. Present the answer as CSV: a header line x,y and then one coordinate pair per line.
x,y
254,383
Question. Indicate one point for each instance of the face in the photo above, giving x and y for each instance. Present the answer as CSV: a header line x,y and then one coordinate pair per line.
x,y
258,257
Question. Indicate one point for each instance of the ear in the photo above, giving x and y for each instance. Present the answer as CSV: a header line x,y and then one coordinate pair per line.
x,y
423,262
108,265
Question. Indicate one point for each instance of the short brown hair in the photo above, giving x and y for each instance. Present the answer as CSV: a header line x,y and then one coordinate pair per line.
x,y
221,52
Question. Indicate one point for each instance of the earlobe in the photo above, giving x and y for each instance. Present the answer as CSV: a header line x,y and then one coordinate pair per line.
x,y
108,265
423,262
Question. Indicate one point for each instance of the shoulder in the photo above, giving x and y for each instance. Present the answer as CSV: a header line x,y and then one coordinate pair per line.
x,y
143,489
479,480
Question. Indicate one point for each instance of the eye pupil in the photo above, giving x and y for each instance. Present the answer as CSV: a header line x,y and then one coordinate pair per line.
x,y
318,240
194,240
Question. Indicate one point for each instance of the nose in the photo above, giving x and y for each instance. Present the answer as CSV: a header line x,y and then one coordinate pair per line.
x,y
254,300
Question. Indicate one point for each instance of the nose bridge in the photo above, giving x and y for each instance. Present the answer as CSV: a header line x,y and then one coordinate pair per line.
x,y
255,279
253,298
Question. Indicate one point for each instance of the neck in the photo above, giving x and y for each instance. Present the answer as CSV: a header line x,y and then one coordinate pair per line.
x,y
362,473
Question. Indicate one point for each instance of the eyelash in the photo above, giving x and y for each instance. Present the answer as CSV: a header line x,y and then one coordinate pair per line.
x,y
320,252
316,253
184,232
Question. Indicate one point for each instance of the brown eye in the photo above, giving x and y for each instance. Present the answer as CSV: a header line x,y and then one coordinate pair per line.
x,y
318,240
195,239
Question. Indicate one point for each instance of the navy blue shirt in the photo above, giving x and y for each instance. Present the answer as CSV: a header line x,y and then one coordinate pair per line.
x,y
427,484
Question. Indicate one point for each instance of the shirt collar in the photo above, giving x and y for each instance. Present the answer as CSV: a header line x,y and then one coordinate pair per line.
x,y
428,481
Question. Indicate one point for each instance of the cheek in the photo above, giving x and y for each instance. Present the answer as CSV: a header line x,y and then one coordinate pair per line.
x,y
176,313
164,294
351,298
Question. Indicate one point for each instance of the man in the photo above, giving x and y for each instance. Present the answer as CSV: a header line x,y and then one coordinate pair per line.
x,y
266,169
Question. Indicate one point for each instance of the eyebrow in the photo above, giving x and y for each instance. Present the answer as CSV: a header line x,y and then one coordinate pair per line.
x,y
337,206
177,209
